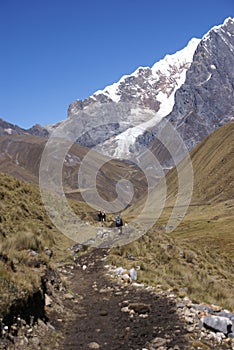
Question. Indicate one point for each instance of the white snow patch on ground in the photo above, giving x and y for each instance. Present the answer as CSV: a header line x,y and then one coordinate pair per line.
x,y
127,139
206,80
8,131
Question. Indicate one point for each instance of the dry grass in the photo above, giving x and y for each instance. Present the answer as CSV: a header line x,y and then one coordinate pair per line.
x,y
196,258
25,231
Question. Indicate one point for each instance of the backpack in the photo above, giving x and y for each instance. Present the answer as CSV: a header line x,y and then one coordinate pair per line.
x,y
118,220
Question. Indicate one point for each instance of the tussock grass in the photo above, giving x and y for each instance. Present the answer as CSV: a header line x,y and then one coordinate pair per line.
x,y
25,232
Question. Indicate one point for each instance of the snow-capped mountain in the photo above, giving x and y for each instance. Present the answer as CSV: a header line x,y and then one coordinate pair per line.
x,y
148,87
192,88
206,99
149,91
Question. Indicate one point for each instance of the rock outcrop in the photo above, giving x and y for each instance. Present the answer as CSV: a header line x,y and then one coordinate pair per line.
x,y
205,101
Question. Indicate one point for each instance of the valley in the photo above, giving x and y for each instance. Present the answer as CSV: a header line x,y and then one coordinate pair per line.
x,y
195,260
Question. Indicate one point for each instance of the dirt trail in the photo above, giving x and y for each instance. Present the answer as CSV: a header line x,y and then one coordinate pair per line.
x,y
100,319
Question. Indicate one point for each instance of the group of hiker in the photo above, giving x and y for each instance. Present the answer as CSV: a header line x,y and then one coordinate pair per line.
x,y
118,220
101,216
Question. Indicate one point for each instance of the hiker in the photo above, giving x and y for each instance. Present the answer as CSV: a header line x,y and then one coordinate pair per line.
x,y
100,216
119,223
103,215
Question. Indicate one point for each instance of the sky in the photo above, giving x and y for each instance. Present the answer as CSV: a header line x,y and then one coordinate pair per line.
x,y
53,52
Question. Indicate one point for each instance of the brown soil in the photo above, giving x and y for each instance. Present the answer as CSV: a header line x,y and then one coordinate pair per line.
x,y
97,316
97,311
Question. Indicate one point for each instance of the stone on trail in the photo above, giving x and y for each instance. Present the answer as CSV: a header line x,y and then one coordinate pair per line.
x,y
139,308
119,270
103,313
228,315
157,343
68,296
48,300
126,278
138,285
218,323
93,345
133,274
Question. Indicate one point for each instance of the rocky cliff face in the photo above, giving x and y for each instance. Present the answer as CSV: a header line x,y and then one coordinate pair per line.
x,y
205,101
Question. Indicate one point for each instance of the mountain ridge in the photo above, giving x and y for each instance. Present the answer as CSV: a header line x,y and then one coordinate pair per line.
x,y
207,76
192,89
118,92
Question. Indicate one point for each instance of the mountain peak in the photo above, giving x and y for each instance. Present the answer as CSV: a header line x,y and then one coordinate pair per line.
x,y
228,23
180,58
192,88
184,87
146,87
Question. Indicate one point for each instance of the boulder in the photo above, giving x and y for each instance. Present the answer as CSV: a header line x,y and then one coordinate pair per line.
x,y
217,323
228,315
133,274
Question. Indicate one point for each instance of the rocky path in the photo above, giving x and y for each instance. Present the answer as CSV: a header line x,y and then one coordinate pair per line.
x,y
96,310
111,316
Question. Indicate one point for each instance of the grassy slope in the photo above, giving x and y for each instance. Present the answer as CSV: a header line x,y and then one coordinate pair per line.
x,y
196,258
25,226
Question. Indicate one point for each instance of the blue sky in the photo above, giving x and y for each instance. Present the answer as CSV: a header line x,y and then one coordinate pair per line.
x,y
53,52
